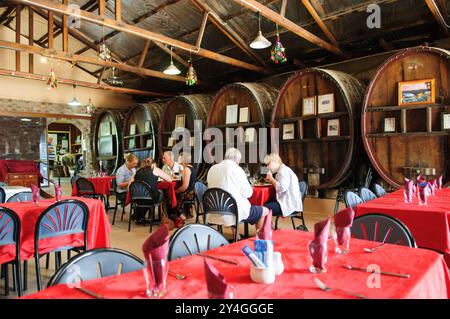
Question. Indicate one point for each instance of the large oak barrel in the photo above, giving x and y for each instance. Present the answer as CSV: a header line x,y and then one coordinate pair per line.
x,y
406,136
321,148
185,109
253,104
141,129
107,140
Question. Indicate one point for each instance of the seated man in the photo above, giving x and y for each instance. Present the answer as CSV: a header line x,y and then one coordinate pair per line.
x,y
230,177
124,174
170,166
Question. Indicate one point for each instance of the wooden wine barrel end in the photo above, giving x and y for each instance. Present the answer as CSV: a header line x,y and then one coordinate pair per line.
x,y
193,107
260,100
141,129
107,140
324,158
418,142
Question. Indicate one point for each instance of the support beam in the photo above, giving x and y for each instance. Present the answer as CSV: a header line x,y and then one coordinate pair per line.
x,y
6,14
118,10
319,21
78,58
100,77
289,25
50,30
144,54
283,8
81,83
202,30
438,16
65,37
101,8
18,28
142,33
30,39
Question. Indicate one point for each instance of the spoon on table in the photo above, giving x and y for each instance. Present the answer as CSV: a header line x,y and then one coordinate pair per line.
x,y
371,250
178,276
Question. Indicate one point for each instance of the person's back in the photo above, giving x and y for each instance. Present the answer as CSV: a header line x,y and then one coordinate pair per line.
x,y
146,175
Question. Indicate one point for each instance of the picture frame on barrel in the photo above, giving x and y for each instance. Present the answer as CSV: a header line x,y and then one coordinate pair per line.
x,y
309,106
389,125
333,127
445,121
288,131
416,92
325,103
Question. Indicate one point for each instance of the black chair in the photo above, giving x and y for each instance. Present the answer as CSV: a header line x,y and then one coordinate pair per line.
x,y
20,197
96,263
219,202
378,190
352,199
144,197
10,235
382,228
86,189
194,238
299,215
366,194
200,190
120,200
73,179
60,219
2,195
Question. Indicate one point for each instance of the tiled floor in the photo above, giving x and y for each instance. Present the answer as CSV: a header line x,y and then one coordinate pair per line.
x,y
315,210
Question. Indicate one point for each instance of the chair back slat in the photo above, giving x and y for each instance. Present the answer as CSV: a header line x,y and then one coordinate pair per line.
x,y
379,190
367,194
352,199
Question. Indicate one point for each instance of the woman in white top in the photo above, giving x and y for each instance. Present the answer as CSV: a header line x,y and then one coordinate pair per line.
x,y
288,197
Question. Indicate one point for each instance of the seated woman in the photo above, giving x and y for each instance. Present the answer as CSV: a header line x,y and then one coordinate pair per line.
x,y
185,191
149,173
288,197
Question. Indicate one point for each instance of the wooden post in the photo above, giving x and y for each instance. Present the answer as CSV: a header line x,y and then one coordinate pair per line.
x,y
30,39
18,27
65,30
101,8
118,10
50,30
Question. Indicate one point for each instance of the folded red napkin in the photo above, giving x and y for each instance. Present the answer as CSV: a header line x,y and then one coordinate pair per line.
x,y
318,246
155,250
439,182
432,186
343,220
58,192
217,286
265,232
420,179
35,193
408,190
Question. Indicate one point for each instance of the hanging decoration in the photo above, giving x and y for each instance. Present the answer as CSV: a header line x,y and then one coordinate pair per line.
x,y
90,107
52,81
278,54
191,75
104,53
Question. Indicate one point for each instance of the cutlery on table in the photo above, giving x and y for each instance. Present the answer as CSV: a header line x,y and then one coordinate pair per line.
x,y
178,276
371,250
90,293
324,287
387,273
218,258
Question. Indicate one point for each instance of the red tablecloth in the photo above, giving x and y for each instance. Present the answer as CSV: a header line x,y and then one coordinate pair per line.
x,y
262,194
99,228
429,225
102,185
168,188
429,274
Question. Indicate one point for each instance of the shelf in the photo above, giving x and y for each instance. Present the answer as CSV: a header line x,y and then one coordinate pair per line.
x,y
75,144
313,117
236,125
190,131
138,149
311,140
436,133
405,107
137,135
106,158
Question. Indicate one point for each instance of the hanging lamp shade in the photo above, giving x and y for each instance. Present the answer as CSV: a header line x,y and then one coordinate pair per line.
x,y
172,69
260,42
74,102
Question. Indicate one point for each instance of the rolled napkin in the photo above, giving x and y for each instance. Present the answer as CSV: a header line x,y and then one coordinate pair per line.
x,y
265,232
318,246
217,286
155,249
439,182
408,190
420,179
432,187
35,193
58,192
343,220
423,193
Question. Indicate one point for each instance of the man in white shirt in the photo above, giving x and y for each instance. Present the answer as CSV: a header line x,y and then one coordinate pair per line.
x,y
230,177
170,167
124,174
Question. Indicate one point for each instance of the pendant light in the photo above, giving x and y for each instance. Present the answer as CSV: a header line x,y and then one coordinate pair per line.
x,y
260,42
171,69
74,101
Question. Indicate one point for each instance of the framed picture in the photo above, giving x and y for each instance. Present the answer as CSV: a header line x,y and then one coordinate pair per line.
x,y
309,106
147,126
416,92
250,134
333,127
325,103
288,131
149,143
232,114
131,144
243,115
132,129
445,120
180,121
105,128
170,142
389,125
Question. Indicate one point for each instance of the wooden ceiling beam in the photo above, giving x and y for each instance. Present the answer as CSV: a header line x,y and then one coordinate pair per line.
x,y
6,14
434,8
142,33
144,53
65,37
30,39
18,27
118,11
289,25
81,83
50,23
319,21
